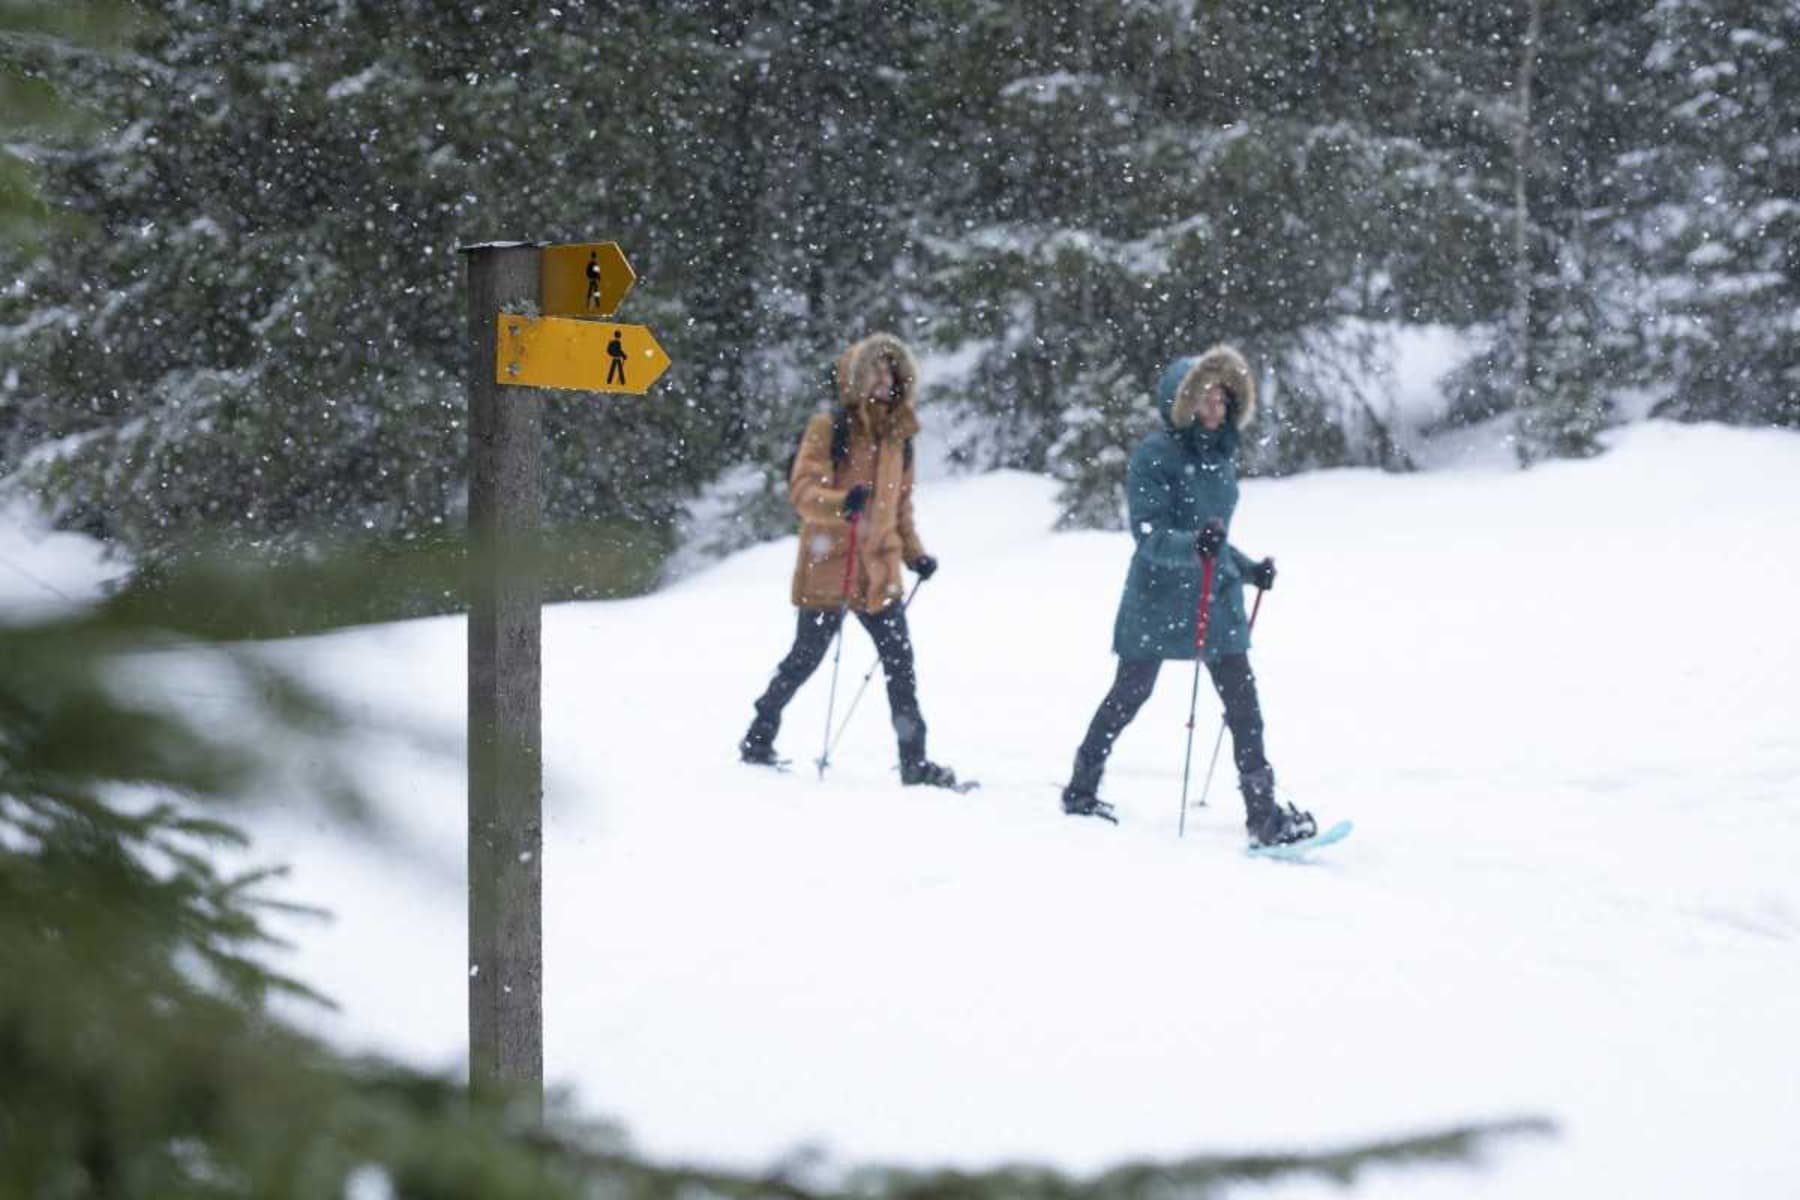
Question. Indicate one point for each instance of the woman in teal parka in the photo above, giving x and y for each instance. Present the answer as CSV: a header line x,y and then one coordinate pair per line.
x,y
1181,490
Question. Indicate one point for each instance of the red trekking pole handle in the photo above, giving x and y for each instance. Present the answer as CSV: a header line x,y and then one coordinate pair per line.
x,y
824,759
1200,622
850,559
1201,618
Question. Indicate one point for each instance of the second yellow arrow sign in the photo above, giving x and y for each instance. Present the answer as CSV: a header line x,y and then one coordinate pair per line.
x,y
584,356
586,279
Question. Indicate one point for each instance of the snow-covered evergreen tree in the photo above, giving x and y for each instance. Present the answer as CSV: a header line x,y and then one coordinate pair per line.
x,y
1726,255
259,329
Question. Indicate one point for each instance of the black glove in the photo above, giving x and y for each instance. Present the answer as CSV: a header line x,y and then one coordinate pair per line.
x,y
1210,540
1263,574
855,499
924,566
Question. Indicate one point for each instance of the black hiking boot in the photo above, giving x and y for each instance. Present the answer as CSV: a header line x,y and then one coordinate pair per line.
x,y
759,756
1078,803
758,745
1281,825
925,773
918,771
1268,821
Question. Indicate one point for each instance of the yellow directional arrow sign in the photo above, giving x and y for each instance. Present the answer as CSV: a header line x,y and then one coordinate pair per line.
x,y
583,356
583,279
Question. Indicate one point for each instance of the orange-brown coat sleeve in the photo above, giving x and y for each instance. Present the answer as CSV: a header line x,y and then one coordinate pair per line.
x,y
809,483
910,546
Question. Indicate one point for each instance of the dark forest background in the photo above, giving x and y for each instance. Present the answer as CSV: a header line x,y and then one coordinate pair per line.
x,y
246,323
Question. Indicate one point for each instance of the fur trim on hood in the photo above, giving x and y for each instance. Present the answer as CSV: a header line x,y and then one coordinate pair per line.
x,y
854,369
857,363
1221,364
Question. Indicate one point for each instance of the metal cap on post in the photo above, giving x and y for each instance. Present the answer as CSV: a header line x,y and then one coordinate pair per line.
x,y
506,1043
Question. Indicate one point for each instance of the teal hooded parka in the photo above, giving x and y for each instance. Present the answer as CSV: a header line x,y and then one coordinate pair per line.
x,y
1180,478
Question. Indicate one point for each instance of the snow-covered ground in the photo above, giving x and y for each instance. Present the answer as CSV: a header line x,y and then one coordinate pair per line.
x,y
1561,706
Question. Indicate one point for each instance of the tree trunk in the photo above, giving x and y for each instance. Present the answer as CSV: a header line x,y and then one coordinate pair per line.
x,y
1522,274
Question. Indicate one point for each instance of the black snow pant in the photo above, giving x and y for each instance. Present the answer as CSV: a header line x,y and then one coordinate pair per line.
x,y
1232,679
812,638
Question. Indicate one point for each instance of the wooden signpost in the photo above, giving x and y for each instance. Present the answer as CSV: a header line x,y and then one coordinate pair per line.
x,y
536,320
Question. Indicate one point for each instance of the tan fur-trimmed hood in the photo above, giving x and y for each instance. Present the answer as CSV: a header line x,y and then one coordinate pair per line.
x,y
1192,376
856,363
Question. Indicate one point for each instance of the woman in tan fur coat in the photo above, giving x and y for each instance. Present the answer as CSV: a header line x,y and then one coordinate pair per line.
x,y
856,463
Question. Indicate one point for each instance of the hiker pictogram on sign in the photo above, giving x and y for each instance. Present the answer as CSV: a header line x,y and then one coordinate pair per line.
x,y
615,350
583,279
584,356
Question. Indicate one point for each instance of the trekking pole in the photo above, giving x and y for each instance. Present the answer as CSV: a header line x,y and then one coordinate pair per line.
x,y
864,685
838,653
1220,740
1200,619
